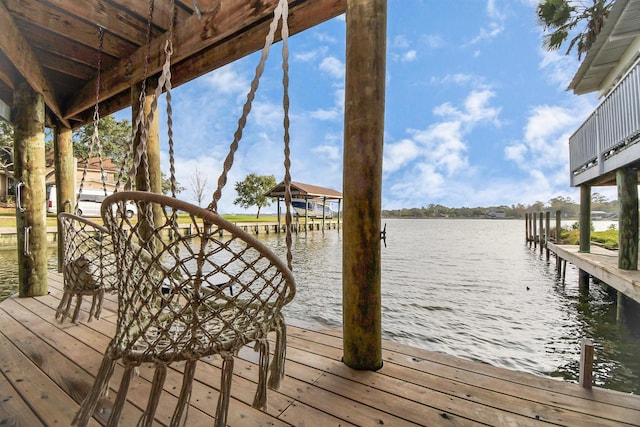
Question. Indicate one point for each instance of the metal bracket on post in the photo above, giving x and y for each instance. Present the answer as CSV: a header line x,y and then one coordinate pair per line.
x,y
19,185
27,233
383,235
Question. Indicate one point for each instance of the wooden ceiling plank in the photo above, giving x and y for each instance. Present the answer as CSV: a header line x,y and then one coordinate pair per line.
x,y
41,15
161,11
7,72
20,54
64,65
115,20
195,35
56,45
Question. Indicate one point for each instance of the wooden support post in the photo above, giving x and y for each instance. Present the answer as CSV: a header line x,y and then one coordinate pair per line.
x,y
564,271
627,181
535,230
29,174
362,182
65,171
150,168
541,233
547,233
526,228
585,232
586,363
619,306
558,238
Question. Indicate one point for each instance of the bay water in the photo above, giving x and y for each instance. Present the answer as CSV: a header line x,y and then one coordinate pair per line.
x,y
469,288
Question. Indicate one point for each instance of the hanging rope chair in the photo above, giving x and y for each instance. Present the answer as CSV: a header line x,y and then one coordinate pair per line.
x,y
88,264
193,287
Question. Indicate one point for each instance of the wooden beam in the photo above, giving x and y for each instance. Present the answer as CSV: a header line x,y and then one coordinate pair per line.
x,y
38,13
19,52
111,18
233,31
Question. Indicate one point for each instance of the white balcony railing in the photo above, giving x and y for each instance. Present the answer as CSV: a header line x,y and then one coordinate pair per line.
x,y
613,126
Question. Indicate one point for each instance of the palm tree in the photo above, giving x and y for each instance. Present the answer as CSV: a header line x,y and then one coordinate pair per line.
x,y
562,16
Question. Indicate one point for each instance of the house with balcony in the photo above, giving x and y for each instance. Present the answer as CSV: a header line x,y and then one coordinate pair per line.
x,y
605,149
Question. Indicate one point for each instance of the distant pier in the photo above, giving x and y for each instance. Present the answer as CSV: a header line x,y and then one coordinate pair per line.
x,y
595,262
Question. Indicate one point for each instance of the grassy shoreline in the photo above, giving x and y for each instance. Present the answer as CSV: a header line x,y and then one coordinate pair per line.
x,y
8,218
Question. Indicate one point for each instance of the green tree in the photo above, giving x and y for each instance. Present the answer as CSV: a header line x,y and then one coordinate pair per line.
x,y
115,139
561,17
251,191
166,185
6,145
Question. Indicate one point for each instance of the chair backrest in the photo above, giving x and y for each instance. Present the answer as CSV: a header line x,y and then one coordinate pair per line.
x,y
88,258
201,272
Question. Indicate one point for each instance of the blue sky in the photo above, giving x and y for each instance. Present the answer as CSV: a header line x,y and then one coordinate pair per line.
x,y
477,113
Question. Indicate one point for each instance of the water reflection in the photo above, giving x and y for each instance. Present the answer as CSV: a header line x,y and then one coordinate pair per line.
x,y
470,288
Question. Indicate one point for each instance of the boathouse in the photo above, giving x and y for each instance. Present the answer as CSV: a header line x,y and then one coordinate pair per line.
x,y
605,149
50,76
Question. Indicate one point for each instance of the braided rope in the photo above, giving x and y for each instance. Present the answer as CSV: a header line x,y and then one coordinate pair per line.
x,y
95,145
287,136
168,52
246,109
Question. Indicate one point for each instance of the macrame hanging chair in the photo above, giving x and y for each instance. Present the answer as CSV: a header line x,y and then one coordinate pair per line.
x,y
193,285
88,264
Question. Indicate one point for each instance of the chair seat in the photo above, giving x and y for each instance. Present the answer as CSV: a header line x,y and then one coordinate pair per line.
x,y
174,337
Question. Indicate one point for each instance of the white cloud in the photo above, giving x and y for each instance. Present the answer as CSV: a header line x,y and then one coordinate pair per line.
x,y
493,11
400,42
310,55
516,152
545,142
558,68
333,66
409,56
324,114
227,81
433,41
330,152
476,108
487,33
463,79
397,155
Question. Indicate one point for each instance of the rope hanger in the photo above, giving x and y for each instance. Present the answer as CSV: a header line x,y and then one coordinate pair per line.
x,y
220,295
142,123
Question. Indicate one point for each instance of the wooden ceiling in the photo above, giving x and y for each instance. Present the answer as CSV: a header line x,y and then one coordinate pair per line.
x,y
53,45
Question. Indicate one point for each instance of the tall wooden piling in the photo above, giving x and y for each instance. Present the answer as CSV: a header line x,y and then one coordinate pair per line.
x,y
627,182
585,231
558,239
526,228
535,230
29,174
542,232
547,233
65,171
362,182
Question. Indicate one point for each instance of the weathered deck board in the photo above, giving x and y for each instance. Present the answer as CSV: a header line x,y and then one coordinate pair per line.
x,y
46,368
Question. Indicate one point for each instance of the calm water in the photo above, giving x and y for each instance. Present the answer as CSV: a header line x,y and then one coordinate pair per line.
x,y
470,288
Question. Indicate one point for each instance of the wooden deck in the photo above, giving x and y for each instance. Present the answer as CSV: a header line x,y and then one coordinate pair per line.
x,y
602,264
47,368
